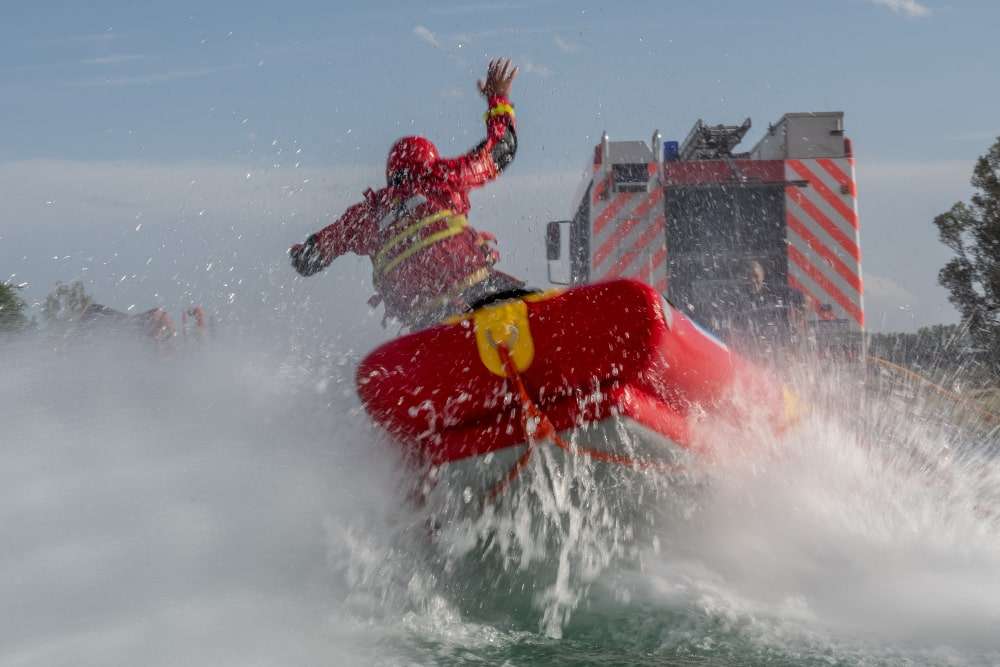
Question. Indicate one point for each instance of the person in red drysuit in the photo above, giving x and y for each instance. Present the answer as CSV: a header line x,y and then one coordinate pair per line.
x,y
427,261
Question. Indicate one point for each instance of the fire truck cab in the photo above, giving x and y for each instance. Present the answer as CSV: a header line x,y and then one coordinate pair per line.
x,y
756,246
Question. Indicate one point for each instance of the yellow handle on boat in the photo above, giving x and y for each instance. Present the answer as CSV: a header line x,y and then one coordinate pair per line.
x,y
793,408
505,323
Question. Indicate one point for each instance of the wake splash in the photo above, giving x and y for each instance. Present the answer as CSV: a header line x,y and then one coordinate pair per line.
x,y
869,533
857,545
229,504
167,508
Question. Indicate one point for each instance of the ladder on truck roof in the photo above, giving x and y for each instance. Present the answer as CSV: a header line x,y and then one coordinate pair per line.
x,y
713,142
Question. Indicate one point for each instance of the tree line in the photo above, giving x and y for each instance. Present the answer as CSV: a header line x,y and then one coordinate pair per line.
x,y
63,305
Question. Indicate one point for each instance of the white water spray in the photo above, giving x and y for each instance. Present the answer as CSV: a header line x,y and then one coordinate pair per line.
x,y
230,504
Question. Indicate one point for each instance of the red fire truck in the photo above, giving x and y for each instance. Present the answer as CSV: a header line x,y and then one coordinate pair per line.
x,y
761,244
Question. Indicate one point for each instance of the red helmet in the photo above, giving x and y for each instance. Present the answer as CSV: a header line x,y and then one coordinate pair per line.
x,y
409,157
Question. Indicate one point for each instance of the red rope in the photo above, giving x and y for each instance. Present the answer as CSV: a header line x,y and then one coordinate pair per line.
x,y
539,428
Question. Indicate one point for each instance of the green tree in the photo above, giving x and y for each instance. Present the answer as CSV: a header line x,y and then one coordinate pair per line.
x,y
65,304
12,306
972,277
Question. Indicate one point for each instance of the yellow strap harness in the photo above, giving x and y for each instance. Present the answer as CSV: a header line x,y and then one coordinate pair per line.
x,y
383,263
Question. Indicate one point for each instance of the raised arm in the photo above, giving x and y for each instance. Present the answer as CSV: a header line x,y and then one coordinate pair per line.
x,y
352,232
485,162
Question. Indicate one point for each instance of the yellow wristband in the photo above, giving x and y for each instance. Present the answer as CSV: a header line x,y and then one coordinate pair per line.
x,y
499,110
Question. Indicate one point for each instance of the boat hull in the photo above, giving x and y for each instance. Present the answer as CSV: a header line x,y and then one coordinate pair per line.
x,y
624,377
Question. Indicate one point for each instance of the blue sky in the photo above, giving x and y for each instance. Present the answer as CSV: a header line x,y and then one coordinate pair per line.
x,y
258,89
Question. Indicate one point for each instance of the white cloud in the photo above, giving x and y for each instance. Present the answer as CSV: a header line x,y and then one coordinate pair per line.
x,y
156,77
565,45
529,67
887,289
911,8
425,35
113,59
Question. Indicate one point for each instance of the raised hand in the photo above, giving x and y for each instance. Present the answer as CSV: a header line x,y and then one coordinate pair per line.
x,y
499,76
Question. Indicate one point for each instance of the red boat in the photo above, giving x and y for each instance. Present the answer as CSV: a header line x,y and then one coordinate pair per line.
x,y
610,372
